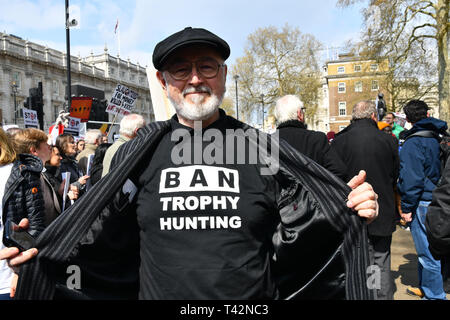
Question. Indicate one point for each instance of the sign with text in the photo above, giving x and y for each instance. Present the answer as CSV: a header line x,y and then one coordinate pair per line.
x,y
73,127
122,101
81,108
30,118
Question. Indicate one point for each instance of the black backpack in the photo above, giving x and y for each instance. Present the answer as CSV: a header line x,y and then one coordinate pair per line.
x,y
444,143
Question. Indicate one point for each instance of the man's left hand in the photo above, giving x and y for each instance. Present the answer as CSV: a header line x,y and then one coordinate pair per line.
x,y
363,198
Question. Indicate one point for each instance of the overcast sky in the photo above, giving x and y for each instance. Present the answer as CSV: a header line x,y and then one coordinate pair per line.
x,y
142,23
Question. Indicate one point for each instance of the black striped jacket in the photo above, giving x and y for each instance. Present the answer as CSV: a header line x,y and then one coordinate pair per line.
x,y
320,245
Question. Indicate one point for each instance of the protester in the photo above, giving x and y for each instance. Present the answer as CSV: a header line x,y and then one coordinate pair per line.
x,y
97,162
396,128
66,146
362,145
34,141
437,225
313,144
295,222
420,170
93,139
7,157
129,127
80,146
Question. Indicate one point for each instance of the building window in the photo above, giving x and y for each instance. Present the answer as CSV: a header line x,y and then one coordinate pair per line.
x,y
55,111
341,87
132,77
122,74
375,85
374,67
112,71
16,79
357,68
342,108
341,70
55,87
358,86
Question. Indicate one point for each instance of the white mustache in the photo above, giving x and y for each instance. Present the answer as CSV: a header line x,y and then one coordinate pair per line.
x,y
199,89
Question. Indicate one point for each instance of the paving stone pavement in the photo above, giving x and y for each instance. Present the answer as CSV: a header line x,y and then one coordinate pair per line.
x,y
404,264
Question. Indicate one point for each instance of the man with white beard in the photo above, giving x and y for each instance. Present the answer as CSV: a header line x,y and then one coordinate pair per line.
x,y
159,228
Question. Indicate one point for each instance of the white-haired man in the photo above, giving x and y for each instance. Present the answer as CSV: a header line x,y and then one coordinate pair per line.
x,y
313,144
92,140
129,127
158,228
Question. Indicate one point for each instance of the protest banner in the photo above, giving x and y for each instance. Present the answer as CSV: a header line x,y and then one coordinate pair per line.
x,y
30,118
74,126
81,108
123,101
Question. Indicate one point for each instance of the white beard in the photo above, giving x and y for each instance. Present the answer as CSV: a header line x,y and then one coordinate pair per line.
x,y
198,110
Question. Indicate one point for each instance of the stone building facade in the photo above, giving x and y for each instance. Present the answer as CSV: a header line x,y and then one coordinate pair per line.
x,y
24,64
351,80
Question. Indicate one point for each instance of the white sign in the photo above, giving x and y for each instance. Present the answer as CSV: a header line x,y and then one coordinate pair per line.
x,y
30,118
66,178
122,101
74,126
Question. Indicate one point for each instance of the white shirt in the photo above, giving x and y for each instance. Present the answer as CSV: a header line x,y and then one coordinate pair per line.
x,y
6,272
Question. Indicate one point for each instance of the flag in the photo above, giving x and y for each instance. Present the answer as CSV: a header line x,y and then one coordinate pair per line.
x,y
117,26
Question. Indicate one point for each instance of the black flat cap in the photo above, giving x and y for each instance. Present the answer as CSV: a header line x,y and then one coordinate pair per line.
x,y
186,37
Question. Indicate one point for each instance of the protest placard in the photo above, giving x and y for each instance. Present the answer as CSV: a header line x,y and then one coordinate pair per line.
x,y
74,126
30,118
123,101
81,108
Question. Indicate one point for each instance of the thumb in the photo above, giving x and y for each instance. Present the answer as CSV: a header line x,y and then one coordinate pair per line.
x,y
24,224
357,180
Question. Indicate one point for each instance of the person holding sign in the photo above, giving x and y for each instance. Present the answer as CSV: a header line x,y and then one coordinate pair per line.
x,y
66,146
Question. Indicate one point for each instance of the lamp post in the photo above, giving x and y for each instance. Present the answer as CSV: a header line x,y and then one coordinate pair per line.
x,y
262,103
69,85
14,87
236,77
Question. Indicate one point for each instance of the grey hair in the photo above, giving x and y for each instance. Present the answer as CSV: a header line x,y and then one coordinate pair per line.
x,y
286,108
130,123
92,135
364,110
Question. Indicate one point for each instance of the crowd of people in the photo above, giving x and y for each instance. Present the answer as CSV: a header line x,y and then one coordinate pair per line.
x,y
148,218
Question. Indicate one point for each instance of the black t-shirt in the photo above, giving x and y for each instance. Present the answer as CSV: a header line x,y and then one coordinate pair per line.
x,y
205,229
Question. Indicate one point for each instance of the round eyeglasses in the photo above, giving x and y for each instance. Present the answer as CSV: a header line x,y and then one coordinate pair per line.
x,y
207,68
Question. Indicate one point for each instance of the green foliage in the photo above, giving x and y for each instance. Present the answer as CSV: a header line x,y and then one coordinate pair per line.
x,y
276,63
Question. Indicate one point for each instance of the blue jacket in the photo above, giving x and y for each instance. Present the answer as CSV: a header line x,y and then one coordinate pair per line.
x,y
420,167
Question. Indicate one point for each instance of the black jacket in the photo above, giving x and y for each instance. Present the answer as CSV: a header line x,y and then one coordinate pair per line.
x,y
438,217
69,164
313,144
362,146
23,196
320,246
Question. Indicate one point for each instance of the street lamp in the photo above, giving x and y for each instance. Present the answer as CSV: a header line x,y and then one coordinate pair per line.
x,y
236,77
69,23
262,103
14,87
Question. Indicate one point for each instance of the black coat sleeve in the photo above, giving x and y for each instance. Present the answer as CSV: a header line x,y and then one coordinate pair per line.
x,y
332,161
438,217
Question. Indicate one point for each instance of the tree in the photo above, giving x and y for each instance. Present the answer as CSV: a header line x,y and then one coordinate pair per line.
x,y
412,33
277,63
228,106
